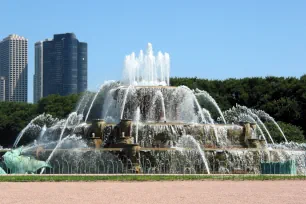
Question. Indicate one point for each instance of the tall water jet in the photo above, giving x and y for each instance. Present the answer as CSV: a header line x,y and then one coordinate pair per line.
x,y
207,96
184,144
25,129
146,69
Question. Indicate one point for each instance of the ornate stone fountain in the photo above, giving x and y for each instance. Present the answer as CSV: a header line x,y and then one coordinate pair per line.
x,y
148,126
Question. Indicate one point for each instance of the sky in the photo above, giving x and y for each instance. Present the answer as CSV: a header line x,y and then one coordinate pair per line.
x,y
206,39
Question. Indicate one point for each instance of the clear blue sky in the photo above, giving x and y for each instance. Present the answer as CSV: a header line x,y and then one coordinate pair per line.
x,y
208,39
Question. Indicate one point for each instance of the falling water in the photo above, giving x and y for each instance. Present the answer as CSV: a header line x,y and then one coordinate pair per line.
x,y
261,113
163,105
159,94
25,129
211,121
137,118
105,84
83,102
110,110
261,123
71,115
42,132
92,102
195,101
199,108
281,131
208,97
79,124
235,113
124,101
247,117
183,143
52,153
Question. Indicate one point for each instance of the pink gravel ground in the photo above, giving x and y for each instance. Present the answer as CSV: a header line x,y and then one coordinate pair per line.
x,y
213,192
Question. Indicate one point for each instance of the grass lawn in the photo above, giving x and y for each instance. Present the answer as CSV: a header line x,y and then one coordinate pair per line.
x,y
144,177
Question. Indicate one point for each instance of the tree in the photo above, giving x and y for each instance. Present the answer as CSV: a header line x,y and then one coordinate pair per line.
x,y
58,106
292,132
13,118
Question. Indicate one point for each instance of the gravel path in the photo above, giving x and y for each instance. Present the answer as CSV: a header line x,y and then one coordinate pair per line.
x,y
212,192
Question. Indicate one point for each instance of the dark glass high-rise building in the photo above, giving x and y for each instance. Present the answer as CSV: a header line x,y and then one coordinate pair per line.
x,y
82,67
64,66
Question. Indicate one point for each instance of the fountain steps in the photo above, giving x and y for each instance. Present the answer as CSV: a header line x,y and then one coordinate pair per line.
x,y
155,149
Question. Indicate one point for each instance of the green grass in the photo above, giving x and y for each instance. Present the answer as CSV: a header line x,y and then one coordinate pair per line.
x,y
57,178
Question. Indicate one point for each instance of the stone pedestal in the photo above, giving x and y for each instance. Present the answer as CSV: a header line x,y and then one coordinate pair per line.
x,y
96,129
125,128
132,152
98,143
254,143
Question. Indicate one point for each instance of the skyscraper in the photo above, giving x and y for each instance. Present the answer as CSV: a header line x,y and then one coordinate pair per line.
x,y
14,68
38,72
60,66
2,88
82,67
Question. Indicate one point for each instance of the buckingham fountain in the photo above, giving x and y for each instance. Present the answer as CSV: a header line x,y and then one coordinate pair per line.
x,y
142,124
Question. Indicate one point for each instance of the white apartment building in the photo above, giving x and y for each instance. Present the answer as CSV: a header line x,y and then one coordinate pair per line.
x,y
14,68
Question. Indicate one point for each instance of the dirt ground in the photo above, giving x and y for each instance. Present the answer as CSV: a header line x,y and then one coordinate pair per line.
x,y
246,192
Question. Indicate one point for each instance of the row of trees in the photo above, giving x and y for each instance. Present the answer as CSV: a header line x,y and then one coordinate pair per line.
x,y
15,116
282,98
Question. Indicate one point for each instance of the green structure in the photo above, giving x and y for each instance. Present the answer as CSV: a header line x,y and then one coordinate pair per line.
x,y
2,171
287,167
19,164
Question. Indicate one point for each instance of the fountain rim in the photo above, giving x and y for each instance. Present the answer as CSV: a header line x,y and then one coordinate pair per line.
x,y
119,149
148,86
164,123
97,119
